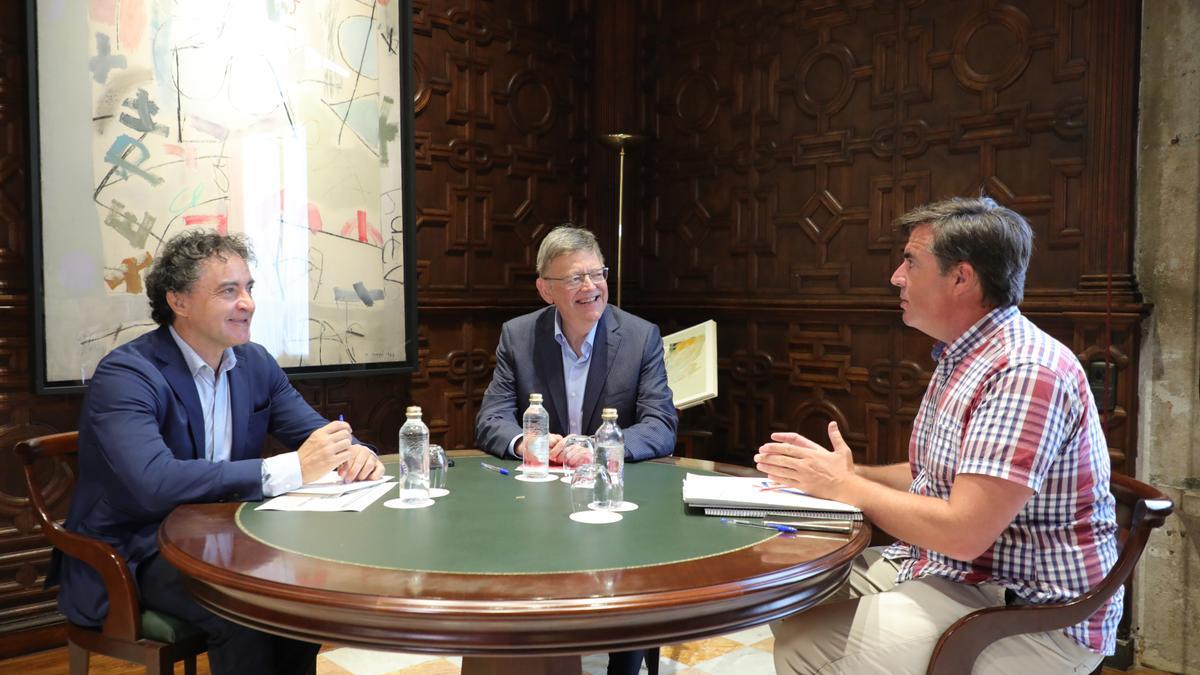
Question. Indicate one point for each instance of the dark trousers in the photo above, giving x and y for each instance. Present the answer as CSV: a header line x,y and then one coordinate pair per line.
x,y
629,663
233,649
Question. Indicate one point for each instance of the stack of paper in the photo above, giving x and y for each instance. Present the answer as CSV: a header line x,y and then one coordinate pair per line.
x,y
758,497
330,494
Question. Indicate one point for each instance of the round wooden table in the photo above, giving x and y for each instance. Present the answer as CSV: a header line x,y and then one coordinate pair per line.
x,y
498,573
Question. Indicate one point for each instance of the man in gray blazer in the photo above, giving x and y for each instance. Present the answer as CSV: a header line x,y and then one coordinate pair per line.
x,y
581,355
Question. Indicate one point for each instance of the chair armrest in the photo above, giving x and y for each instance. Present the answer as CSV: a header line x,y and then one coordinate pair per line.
x,y
961,643
124,612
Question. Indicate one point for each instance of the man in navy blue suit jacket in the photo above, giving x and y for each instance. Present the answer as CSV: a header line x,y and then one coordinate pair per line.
x,y
582,356
180,415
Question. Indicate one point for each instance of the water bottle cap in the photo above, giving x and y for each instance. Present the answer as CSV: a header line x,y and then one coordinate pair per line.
x,y
413,410
535,398
608,414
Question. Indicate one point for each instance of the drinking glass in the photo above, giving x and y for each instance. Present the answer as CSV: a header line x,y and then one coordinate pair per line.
x,y
590,482
579,450
437,471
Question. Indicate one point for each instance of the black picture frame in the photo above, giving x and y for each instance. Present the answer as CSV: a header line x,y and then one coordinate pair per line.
x,y
64,248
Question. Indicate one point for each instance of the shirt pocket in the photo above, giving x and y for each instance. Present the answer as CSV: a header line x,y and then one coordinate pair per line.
x,y
945,447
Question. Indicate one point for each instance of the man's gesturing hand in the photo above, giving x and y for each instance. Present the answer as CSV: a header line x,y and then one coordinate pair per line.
x,y
796,461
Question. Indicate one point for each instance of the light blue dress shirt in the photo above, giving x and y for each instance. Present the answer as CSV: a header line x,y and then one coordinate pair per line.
x,y
575,372
280,473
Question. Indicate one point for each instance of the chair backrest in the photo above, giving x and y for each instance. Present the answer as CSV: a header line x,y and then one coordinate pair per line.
x,y
1140,509
123,620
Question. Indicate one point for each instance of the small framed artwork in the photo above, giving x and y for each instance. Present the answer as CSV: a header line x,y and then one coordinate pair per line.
x,y
691,358
289,122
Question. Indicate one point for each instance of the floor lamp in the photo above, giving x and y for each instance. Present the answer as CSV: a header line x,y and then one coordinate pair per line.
x,y
619,141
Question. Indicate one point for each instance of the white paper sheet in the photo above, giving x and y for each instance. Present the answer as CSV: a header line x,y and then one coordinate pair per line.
x,y
348,501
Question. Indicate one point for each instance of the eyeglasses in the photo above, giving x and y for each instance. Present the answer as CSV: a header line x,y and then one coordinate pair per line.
x,y
576,280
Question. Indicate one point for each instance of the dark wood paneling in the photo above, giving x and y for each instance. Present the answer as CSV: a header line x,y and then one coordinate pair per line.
x,y
503,101
787,136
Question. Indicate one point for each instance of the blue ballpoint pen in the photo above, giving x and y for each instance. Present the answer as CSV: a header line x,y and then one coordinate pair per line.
x,y
489,467
786,529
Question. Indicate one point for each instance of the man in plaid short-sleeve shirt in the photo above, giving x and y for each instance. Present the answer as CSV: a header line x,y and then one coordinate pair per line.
x,y
1005,496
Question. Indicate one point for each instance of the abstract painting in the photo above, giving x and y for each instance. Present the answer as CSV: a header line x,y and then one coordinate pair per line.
x,y
288,121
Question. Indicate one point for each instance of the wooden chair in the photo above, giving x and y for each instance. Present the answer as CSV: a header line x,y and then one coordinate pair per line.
x,y
153,639
1140,508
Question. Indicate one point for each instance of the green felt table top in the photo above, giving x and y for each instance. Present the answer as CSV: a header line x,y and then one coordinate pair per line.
x,y
495,524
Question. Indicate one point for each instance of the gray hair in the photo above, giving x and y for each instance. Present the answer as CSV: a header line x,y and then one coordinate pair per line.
x,y
564,239
995,240
178,266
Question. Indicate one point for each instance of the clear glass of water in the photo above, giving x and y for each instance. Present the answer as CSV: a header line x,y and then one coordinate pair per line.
x,y
589,483
438,464
579,450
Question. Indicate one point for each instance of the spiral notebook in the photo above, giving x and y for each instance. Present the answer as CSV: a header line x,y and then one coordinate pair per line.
x,y
758,498
759,513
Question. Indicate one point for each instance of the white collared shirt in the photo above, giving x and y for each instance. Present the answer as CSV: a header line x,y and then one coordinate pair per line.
x,y
213,389
575,372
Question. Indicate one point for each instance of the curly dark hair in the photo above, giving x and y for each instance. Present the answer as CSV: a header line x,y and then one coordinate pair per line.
x,y
178,266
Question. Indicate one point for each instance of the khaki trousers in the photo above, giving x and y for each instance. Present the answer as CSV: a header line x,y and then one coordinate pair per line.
x,y
874,625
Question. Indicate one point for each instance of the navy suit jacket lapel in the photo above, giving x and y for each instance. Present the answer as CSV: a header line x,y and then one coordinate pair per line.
x,y
176,372
604,355
548,362
239,404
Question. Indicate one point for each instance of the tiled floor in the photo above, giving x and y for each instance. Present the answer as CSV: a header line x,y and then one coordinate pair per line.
x,y
744,653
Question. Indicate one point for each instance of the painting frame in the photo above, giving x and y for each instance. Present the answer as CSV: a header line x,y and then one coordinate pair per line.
x,y
388,344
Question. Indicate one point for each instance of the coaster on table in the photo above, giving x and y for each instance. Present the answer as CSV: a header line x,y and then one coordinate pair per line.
x,y
623,506
399,504
438,492
544,479
552,469
596,517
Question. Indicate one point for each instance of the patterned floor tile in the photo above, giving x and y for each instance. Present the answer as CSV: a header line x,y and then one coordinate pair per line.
x,y
328,667
745,661
691,653
436,666
364,662
751,636
766,645
743,653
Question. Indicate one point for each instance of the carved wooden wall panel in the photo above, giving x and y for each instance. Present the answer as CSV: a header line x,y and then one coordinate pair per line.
x,y
785,137
502,99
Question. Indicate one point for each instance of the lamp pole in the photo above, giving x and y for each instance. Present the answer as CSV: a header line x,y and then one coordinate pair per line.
x,y
619,141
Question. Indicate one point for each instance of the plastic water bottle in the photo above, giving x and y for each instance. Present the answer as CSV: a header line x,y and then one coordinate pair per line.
x,y
536,449
610,453
414,452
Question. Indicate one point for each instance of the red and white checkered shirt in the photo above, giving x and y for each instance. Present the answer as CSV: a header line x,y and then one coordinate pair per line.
x,y
1007,400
